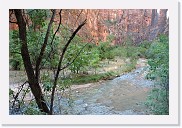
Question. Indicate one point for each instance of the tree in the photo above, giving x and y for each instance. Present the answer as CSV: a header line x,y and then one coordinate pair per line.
x,y
33,74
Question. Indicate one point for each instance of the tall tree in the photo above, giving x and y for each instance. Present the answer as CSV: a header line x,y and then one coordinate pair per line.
x,y
33,82
33,76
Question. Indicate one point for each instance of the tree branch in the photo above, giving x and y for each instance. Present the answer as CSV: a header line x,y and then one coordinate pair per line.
x,y
17,94
68,64
60,63
75,57
66,46
23,97
60,22
39,59
78,16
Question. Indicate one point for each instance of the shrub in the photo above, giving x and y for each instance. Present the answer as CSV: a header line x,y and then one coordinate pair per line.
x,y
145,44
104,49
158,101
158,55
89,57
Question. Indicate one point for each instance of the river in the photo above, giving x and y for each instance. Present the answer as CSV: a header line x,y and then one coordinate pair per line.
x,y
124,95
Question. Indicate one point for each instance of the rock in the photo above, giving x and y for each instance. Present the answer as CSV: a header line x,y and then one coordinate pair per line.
x,y
140,24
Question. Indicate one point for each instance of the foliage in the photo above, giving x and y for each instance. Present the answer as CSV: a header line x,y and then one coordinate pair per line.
x,y
46,81
104,48
110,22
11,92
128,50
157,101
110,38
94,59
16,62
31,109
143,47
64,83
129,67
145,44
83,79
81,62
158,55
89,57
34,38
38,17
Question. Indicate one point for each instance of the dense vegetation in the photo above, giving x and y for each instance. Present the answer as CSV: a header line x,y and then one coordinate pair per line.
x,y
158,59
84,59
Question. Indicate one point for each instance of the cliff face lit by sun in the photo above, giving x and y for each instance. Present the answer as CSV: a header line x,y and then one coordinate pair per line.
x,y
123,24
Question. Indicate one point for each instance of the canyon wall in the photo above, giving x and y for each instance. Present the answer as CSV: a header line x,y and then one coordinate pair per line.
x,y
122,25
130,24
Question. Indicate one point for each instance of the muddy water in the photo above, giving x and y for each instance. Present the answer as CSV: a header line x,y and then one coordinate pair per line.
x,y
124,95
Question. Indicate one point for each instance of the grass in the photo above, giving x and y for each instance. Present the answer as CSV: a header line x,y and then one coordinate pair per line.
x,y
83,79
128,68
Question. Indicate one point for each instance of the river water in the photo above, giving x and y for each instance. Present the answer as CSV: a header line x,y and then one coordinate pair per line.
x,y
124,95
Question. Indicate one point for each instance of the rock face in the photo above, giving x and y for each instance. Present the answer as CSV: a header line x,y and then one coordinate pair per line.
x,y
123,25
133,25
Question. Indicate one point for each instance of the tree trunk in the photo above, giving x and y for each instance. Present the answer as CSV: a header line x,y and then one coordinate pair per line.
x,y
34,85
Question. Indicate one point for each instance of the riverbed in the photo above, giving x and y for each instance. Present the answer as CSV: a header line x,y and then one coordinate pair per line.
x,y
123,95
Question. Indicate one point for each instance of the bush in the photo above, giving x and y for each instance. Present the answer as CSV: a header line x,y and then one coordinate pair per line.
x,y
89,57
145,44
158,55
104,50
158,101
81,61
94,59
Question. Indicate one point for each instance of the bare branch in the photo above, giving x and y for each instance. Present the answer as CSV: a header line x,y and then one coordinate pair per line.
x,y
60,22
23,97
67,44
17,94
60,63
39,59
78,16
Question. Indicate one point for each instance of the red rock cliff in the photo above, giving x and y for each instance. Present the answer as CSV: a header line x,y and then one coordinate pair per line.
x,y
124,24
